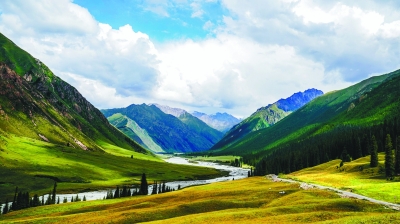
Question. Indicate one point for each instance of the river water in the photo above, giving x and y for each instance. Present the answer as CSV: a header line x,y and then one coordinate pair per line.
x,y
235,173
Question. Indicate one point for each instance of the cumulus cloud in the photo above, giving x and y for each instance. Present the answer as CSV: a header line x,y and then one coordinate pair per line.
x,y
349,38
73,42
257,54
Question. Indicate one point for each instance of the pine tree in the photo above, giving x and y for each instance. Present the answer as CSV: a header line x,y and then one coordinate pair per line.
x,y
163,187
374,152
359,149
116,193
58,200
5,209
14,204
144,189
124,191
397,156
53,198
84,198
36,201
389,160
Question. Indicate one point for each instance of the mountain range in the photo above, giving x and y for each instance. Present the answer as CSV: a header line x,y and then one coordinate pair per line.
x,y
338,124
267,116
219,121
165,129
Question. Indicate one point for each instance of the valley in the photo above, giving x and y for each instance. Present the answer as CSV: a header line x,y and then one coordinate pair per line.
x,y
123,111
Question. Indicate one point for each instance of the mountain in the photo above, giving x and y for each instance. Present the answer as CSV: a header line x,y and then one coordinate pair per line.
x,y
50,132
219,121
176,112
130,128
184,133
37,104
339,124
267,116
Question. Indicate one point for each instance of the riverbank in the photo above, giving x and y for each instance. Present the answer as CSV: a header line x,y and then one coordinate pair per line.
x,y
227,173
249,200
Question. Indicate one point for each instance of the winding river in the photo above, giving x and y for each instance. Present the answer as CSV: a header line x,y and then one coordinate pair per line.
x,y
235,173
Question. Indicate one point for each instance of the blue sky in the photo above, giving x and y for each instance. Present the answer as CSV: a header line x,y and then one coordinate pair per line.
x,y
162,22
210,56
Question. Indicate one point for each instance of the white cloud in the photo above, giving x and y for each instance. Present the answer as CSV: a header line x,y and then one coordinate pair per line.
x,y
259,52
230,72
120,58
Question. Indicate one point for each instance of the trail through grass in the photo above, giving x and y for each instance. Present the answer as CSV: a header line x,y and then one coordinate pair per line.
x,y
355,176
251,200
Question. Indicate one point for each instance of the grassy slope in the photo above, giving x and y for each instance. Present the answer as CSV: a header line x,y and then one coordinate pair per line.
x,y
253,200
259,120
166,130
319,115
198,126
369,182
130,128
44,104
33,165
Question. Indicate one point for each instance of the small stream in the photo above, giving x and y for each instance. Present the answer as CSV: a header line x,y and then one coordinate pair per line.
x,y
234,173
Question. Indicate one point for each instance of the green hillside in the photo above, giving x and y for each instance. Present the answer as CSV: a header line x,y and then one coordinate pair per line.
x,y
267,116
322,129
198,126
130,128
50,132
261,119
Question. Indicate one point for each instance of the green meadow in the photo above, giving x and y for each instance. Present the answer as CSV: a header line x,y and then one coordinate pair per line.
x,y
355,176
34,165
251,200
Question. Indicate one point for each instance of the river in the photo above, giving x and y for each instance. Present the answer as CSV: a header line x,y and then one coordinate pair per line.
x,y
235,173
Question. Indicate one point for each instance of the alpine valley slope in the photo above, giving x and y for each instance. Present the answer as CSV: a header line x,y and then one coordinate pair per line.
x,y
329,127
180,132
267,116
50,132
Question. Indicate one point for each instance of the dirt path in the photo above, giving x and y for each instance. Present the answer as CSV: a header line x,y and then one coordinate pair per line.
x,y
342,193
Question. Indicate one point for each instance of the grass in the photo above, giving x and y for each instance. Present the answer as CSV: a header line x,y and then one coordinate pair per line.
x,y
33,165
369,182
216,159
252,200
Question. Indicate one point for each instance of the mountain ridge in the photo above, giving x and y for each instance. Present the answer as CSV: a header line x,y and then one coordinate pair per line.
x,y
267,116
185,133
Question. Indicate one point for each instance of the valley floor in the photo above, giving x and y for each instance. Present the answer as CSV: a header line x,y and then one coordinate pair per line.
x,y
251,200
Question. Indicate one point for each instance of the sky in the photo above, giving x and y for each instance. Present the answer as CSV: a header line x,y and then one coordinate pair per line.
x,y
210,56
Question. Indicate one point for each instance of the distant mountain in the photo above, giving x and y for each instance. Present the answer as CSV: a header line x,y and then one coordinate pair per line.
x,y
219,121
338,124
267,116
176,112
174,130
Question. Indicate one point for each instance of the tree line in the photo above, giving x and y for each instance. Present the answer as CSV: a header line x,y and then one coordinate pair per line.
x,y
22,200
346,142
